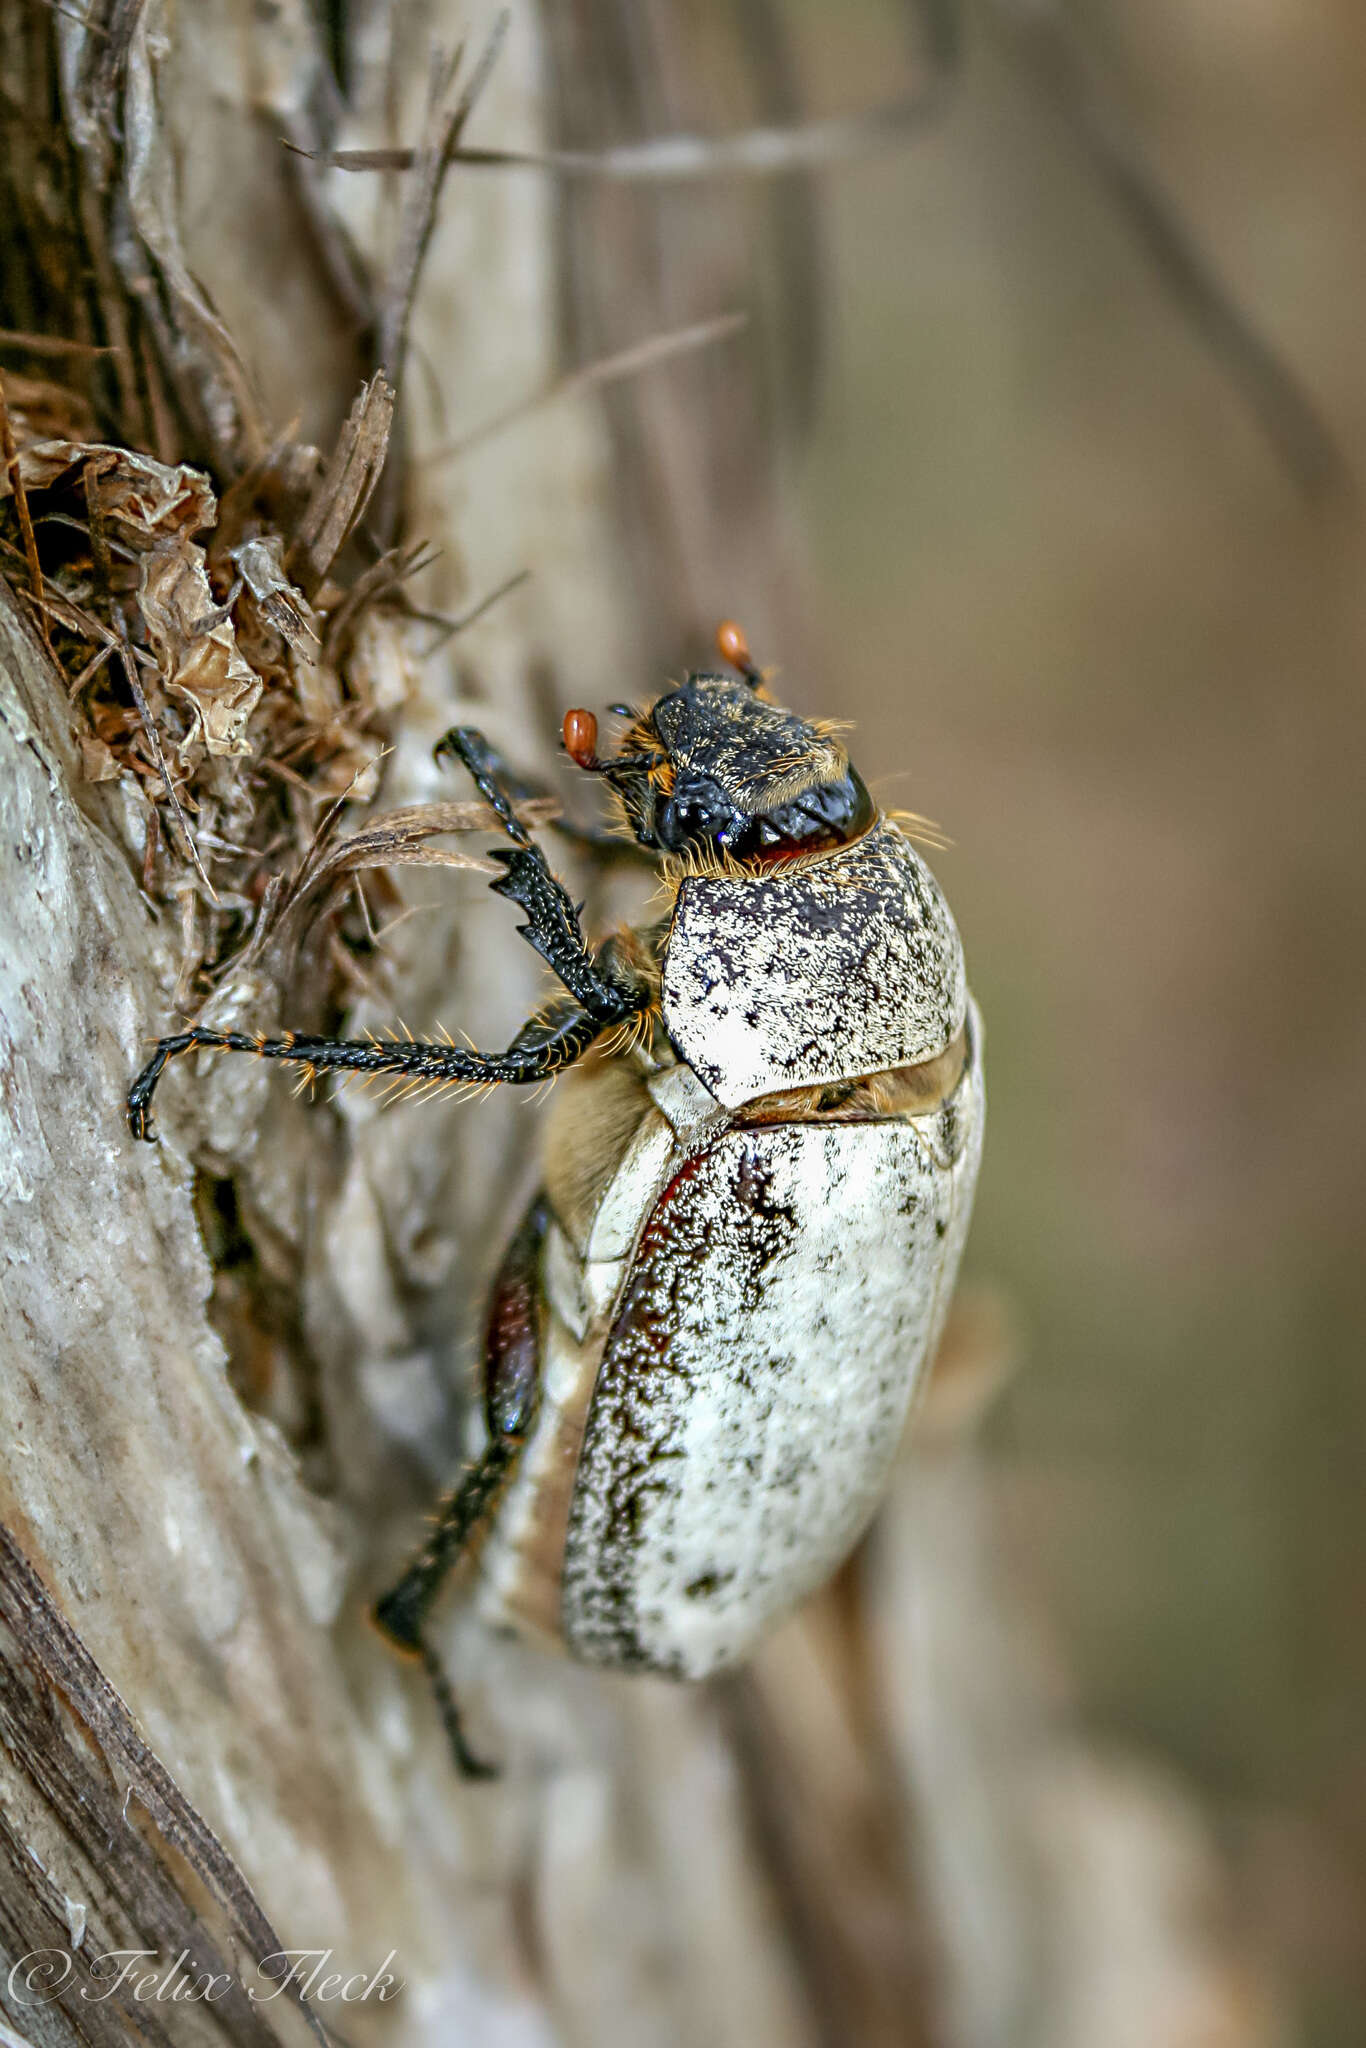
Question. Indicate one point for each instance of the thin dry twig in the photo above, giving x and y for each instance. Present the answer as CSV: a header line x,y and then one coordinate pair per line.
x,y
99,538
759,152
610,369
458,622
393,569
1046,40
91,669
50,344
16,483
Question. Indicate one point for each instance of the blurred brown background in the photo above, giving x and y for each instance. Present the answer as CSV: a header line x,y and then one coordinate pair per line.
x,y
1057,572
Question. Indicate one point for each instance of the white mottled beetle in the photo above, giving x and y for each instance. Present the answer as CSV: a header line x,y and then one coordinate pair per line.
x,y
704,1338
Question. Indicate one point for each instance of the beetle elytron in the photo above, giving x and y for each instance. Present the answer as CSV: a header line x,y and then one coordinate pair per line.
x,y
704,1339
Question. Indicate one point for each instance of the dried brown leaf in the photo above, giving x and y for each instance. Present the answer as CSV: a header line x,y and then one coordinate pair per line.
x,y
145,501
196,650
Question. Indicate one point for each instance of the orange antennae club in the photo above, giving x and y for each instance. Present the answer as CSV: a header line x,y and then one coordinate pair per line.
x,y
732,645
581,738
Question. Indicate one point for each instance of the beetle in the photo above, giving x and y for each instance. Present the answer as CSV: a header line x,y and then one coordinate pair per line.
x,y
702,1343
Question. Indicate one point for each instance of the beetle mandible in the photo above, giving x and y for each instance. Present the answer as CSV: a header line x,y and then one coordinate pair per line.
x,y
703,1341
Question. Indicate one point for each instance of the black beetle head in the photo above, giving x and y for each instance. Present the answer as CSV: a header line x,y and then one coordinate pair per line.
x,y
714,768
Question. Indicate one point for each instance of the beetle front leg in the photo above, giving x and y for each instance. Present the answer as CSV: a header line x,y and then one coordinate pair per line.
x,y
603,842
552,926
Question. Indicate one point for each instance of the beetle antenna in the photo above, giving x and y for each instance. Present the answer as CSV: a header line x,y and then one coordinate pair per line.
x,y
580,742
733,646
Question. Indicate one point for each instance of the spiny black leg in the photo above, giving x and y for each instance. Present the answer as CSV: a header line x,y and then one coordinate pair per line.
x,y
603,994
402,1611
552,926
553,930
541,1049
518,789
489,773
401,1614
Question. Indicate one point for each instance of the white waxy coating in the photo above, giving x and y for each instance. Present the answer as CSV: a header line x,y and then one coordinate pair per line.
x,y
816,972
784,1297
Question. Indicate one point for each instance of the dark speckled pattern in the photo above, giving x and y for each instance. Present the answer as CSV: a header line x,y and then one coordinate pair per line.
x,y
845,966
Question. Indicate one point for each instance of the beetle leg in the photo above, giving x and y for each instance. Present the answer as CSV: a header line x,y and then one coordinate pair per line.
x,y
512,1368
541,1049
552,926
602,841
605,994
401,1613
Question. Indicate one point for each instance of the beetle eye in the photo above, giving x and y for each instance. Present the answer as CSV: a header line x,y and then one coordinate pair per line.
x,y
822,818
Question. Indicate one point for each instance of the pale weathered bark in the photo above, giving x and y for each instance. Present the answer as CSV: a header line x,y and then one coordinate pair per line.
x,y
205,1472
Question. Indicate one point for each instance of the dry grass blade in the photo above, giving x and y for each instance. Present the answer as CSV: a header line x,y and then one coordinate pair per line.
x,y
343,491
431,161
397,838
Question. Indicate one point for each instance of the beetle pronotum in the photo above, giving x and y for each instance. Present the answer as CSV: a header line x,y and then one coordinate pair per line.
x,y
702,1344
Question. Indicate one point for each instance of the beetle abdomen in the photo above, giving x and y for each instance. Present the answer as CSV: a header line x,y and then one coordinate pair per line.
x,y
782,1300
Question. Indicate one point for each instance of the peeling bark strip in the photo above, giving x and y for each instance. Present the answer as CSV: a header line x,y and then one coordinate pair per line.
x,y
343,491
109,1886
